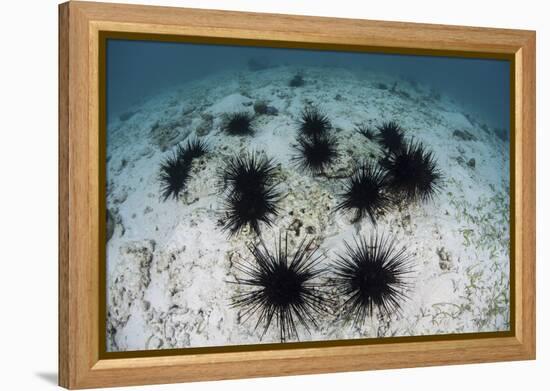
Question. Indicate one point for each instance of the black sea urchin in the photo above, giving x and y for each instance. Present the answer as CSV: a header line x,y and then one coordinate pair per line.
x,y
252,197
313,123
246,173
390,136
365,193
174,174
413,173
238,124
317,154
283,287
371,275
192,150
367,132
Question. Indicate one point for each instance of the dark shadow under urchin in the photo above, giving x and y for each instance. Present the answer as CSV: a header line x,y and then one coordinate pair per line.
x,y
366,193
251,195
372,275
413,173
317,154
173,176
282,287
313,123
390,137
238,124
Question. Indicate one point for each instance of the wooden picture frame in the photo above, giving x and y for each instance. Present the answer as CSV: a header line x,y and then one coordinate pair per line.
x,y
81,363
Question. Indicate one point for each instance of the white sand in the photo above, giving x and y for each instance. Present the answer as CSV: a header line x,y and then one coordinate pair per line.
x,y
169,262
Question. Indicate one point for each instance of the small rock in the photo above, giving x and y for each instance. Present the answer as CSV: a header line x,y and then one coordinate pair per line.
x,y
127,115
295,226
205,125
129,280
110,224
187,110
154,343
257,64
120,197
260,107
145,305
147,152
445,261
464,135
122,163
272,110
297,81
167,133
472,163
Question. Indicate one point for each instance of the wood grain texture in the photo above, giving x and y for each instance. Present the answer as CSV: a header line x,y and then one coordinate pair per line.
x,y
63,220
79,145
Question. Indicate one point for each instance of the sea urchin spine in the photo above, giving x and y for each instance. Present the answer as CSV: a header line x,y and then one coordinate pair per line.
x,y
317,154
317,149
391,137
313,123
366,193
174,174
238,124
413,173
252,196
175,170
372,275
192,150
367,132
282,286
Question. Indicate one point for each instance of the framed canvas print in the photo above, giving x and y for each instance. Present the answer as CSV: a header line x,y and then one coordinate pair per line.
x,y
251,195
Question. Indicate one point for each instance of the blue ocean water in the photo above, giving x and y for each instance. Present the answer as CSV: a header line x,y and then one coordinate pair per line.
x,y
138,69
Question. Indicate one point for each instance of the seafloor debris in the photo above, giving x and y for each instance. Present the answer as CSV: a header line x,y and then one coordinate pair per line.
x,y
166,134
129,280
187,306
464,135
445,260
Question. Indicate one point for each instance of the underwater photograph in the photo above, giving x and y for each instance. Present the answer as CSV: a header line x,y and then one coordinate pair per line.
x,y
260,195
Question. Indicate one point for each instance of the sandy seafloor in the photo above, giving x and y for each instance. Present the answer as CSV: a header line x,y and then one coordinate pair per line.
x,y
169,263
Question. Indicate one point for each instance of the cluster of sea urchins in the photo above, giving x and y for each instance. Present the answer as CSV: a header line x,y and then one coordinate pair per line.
x,y
249,187
372,274
407,172
291,288
411,169
175,170
317,147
